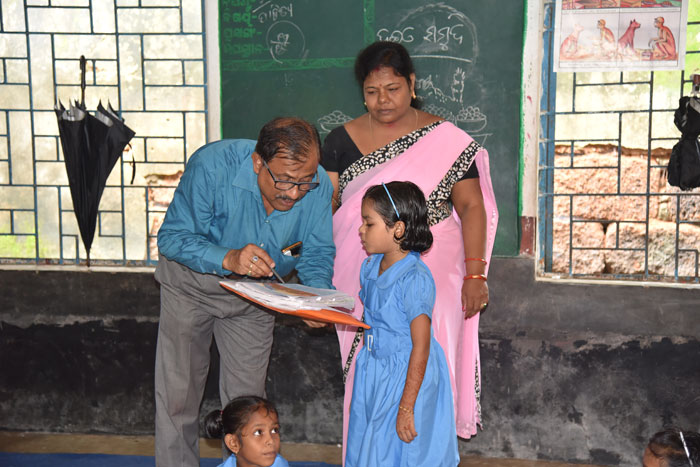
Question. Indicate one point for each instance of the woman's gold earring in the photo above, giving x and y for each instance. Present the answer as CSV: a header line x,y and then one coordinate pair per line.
x,y
414,95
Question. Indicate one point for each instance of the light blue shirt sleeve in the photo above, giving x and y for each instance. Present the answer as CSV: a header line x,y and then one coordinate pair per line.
x,y
186,233
419,293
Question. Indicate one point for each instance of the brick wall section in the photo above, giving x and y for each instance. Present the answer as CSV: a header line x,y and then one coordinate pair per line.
x,y
618,217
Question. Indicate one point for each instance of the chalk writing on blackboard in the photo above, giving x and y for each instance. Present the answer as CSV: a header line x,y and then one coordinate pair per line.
x,y
285,40
268,11
402,36
440,37
443,40
434,31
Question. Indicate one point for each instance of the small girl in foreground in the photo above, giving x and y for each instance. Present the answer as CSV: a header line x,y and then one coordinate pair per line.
x,y
250,430
402,411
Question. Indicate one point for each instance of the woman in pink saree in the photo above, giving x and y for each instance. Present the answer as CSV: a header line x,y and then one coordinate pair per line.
x,y
395,141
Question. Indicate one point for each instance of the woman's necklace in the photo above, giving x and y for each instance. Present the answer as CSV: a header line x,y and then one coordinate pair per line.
x,y
371,129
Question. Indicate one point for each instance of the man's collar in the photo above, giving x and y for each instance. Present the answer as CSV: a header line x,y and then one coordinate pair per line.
x,y
246,178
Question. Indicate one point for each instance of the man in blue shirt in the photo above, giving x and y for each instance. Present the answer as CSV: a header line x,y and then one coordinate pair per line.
x,y
238,206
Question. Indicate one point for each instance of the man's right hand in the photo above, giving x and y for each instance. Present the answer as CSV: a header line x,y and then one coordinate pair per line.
x,y
251,260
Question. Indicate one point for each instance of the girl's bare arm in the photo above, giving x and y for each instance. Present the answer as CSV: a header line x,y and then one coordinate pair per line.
x,y
420,336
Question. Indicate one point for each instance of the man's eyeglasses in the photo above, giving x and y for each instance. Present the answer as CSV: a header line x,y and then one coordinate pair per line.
x,y
284,185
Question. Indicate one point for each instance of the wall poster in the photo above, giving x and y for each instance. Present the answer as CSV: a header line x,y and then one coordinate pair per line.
x,y
609,35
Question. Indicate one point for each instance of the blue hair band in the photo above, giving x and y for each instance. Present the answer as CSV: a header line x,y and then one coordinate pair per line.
x,y
392,201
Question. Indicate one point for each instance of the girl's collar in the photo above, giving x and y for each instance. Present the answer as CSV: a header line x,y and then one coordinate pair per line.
x,y
395,270
401,255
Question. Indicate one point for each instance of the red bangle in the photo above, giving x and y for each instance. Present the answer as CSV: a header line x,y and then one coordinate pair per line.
x,y
475,259
475,276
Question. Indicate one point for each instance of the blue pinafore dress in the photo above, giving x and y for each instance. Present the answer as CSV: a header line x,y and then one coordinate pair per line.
x,y
391,301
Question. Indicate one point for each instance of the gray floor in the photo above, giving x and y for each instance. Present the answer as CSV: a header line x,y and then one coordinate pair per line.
x,y
143,445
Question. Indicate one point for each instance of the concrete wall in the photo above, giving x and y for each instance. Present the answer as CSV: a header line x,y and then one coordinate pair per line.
x,y
581,373
585,372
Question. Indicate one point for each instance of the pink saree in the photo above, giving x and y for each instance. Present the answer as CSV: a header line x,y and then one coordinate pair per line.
x,y
425,163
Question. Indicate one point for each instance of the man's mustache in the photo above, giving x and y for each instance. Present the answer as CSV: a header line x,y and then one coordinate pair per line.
x,y
287,198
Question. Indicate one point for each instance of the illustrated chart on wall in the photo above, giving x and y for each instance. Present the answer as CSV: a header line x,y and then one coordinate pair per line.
x,y
296,57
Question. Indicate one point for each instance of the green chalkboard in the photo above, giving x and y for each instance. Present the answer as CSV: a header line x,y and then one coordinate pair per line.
x,y
295,57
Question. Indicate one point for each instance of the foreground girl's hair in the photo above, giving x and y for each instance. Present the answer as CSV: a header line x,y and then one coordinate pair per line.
x,y
235,415
411,209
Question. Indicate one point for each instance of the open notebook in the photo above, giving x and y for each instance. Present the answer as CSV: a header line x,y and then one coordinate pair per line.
x,y
325,305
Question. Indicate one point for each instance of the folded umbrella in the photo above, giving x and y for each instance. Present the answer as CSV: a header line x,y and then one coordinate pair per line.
x,y
91,145
684,164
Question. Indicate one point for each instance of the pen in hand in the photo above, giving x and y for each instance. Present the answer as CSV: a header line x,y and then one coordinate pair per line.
x,y
279,278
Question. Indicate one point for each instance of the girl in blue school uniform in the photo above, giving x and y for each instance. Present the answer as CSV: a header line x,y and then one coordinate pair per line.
x,y
402,410
250,429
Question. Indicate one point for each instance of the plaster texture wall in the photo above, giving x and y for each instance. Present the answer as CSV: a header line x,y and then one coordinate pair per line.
x,y
584,372
571,372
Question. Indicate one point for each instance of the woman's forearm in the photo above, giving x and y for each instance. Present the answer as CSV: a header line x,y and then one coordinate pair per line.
x,y
474,237
469,205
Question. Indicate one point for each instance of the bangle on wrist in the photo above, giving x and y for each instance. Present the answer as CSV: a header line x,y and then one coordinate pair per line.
x,y
475,259
405,409
475,276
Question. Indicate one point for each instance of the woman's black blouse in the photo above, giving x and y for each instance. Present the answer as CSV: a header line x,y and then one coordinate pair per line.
x,y
339,152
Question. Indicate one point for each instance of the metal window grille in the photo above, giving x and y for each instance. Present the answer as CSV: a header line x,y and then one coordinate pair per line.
x,y
148,60
605,208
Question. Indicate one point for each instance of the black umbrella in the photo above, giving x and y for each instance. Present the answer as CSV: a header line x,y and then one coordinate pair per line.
x,y
91,146
684,164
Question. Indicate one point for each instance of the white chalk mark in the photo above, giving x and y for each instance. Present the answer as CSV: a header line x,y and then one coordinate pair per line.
x,y
443,57
332,120
286,41
261,6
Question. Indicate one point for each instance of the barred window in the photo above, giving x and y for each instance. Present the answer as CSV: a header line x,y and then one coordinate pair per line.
x,y
148,62
606,210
